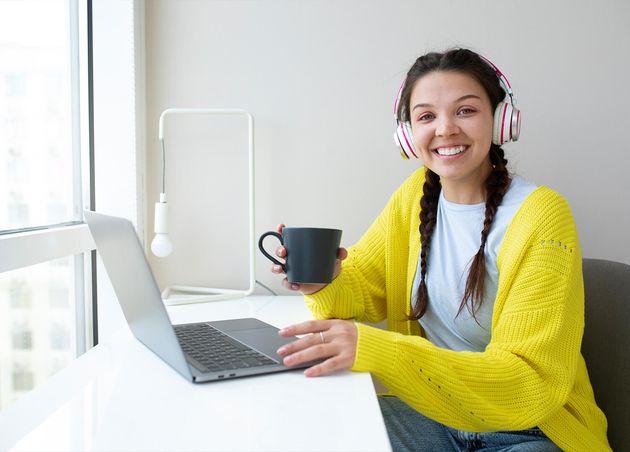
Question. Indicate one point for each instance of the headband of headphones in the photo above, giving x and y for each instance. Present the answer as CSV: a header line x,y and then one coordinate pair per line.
x,y
502,79
506,125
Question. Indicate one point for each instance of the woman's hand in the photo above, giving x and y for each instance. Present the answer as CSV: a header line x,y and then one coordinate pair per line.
x,y
306,289
334,340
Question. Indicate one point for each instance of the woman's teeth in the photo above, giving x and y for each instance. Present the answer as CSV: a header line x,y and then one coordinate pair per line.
x,y
451,151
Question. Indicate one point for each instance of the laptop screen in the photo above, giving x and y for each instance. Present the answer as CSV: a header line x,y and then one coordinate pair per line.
x,y
135,287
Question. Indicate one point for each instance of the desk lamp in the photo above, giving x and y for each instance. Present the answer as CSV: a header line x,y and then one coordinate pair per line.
x,y
161,246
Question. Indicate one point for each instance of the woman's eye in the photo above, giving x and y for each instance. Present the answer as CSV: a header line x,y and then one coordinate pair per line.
x,y
466,111
426,117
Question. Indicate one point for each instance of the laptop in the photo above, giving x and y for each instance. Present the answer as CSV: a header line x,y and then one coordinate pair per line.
x,y
201,352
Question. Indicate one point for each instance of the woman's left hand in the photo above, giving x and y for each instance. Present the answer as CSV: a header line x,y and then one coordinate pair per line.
x,y
334,341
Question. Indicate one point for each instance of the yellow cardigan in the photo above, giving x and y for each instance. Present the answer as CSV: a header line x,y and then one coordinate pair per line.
x,y
531,373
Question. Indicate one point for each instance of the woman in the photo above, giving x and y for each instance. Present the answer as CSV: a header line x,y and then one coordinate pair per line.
x,y
478,274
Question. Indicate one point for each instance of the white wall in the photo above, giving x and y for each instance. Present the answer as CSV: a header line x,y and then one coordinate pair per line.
x,y
320,76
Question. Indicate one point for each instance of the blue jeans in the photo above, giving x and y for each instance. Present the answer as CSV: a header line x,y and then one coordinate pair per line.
x,y
409,430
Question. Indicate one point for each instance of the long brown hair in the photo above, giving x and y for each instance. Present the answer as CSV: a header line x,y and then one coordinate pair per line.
x,y
496,184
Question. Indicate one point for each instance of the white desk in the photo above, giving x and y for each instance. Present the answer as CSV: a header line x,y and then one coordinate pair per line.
x,y
120,396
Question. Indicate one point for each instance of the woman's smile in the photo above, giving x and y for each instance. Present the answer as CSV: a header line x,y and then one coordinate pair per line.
x,y
450,151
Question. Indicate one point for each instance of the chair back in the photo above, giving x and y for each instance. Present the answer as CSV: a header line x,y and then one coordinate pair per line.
x,y
606,343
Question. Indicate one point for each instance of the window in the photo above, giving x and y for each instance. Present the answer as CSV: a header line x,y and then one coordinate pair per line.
x,y
23,378
19,294
36,69
22,337
59,336
58,294
44,187
38,320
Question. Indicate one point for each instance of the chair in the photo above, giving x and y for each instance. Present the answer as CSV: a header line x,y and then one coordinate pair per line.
x,y
606,343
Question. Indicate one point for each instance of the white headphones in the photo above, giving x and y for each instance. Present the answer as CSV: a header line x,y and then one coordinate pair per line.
x,y
506,127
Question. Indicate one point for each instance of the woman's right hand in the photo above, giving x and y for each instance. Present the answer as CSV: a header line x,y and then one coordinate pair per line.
x,y
305,289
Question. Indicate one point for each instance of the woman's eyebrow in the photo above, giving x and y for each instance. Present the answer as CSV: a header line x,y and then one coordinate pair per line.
x,y
467,96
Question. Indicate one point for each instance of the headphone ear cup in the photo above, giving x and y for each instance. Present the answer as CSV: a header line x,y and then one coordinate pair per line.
x,y
501,130
403,154
516,123
404,139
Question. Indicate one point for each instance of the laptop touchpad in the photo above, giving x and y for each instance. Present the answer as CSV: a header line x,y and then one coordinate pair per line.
x,y
265,340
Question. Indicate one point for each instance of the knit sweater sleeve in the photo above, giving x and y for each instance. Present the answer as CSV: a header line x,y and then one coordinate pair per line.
x,y
528,369
359,291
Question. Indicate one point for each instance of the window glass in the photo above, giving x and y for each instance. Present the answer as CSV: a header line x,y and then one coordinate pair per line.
x,y
37,325
43,153
36,156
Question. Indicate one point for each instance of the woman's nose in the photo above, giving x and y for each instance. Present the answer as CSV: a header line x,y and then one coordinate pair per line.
x,y
446,127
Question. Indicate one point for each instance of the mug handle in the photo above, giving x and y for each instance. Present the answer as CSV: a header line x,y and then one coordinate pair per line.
x,y
267,255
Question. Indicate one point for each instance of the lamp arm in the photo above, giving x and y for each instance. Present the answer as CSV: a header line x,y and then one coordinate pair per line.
x,y
163,165
200,111
250,145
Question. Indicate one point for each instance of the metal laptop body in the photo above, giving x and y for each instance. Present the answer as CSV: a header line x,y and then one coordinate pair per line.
x,y
141,303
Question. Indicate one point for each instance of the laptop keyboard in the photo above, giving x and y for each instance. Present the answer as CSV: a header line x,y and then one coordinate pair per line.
x,y
217,351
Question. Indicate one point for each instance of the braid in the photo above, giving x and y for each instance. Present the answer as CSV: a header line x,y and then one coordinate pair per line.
x,y
497,184
428,216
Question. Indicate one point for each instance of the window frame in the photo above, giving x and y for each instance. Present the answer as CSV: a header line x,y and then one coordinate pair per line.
x,y
29,246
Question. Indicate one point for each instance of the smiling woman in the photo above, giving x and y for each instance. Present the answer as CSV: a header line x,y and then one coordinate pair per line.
x,y
478,273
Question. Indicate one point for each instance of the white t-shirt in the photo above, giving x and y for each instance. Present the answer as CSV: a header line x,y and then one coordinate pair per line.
x,y
455,240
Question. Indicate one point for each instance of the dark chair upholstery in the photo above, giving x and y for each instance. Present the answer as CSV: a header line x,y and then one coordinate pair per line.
x,y
606,343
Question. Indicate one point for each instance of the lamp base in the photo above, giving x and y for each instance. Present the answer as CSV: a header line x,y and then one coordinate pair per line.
x,y
176,295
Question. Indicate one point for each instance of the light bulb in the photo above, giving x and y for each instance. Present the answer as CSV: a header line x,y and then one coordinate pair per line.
x,y
161,245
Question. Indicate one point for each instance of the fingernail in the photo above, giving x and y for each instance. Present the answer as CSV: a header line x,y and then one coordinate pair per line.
x,y
288,360
282,331
295,286
309,372
281,351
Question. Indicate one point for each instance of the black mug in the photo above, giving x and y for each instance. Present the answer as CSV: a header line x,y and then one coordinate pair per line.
x,y
311,253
